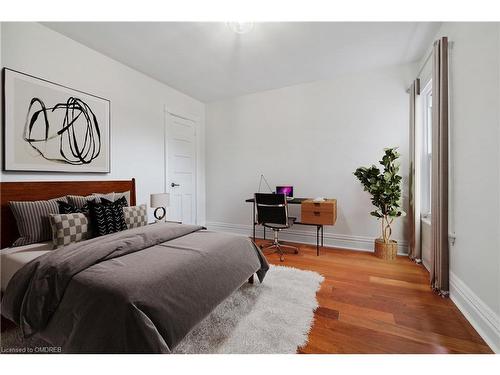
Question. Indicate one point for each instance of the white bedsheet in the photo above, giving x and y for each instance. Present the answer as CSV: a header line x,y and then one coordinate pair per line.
x,y
13,258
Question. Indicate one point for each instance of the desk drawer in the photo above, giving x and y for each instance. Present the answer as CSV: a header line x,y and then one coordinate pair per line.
x,y
324,213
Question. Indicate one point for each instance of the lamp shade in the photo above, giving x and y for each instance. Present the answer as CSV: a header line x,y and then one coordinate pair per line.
x,y
160,200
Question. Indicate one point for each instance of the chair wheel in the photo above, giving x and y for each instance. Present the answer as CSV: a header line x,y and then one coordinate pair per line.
x,y
261,246
296,251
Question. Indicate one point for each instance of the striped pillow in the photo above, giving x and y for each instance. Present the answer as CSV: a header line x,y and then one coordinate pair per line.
x,y
79,201
109,196
33,220
114,196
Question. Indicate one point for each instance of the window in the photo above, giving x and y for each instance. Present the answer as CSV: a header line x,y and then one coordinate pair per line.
x,y
426,151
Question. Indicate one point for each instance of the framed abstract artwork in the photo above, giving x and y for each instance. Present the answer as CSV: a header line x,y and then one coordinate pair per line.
x,y
53,128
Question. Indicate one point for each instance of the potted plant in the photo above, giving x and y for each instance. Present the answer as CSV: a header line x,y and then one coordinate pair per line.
x,y
385,189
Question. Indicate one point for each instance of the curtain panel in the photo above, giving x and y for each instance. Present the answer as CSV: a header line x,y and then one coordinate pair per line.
x,y
439,169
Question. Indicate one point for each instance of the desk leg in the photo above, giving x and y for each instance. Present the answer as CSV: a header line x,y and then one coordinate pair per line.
x,y
317,239
322,229
253,220
264,232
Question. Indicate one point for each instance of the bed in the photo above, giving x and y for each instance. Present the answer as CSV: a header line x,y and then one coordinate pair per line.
x,y
12,259
141,290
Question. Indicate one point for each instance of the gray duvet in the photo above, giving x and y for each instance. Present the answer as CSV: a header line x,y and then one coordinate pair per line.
x,y
138,291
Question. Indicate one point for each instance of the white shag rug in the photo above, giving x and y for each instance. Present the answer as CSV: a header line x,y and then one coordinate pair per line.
x,y
274,317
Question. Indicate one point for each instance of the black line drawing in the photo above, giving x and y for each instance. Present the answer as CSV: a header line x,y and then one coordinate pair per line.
x,y
73,149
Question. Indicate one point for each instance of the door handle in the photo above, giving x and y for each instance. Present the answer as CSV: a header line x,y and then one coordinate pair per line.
x,y
173,184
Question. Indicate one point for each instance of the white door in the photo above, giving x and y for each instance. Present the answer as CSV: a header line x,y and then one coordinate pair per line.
x,y
181,168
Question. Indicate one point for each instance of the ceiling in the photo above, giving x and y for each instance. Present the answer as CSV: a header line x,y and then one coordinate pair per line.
x,y
209,62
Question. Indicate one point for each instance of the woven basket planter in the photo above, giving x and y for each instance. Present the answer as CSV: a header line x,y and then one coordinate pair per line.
x,y
386,251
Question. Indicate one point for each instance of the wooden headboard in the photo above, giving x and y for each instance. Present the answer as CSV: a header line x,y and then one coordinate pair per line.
x,y
43,190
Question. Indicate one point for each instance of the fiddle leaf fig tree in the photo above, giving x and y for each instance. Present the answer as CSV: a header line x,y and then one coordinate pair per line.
x,y
385,189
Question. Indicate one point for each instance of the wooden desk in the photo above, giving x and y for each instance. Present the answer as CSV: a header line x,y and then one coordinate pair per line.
x,y
324,212
319,227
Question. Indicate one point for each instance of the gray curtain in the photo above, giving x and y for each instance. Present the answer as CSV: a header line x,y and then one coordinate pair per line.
x,y
439,183
414,248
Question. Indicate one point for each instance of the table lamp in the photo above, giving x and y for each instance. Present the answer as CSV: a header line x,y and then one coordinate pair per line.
x,y
160,201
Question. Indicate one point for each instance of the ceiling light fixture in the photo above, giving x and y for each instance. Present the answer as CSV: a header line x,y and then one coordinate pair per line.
x,y
241,27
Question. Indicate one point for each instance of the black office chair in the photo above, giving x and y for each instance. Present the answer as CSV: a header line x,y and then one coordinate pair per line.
x,y
272,212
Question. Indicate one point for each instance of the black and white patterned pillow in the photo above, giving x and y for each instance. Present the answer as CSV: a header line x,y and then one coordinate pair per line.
x,y
66,208
136,216
107,217
122,201
125,194
33,220
69,228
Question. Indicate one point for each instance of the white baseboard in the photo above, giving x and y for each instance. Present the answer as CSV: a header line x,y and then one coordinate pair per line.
x,y
483,319
360,243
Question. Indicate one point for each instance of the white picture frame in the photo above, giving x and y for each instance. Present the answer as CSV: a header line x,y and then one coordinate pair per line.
x,y
49,127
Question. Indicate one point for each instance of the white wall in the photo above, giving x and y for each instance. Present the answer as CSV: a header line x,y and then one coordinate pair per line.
x,y
312,136
475,173
137,104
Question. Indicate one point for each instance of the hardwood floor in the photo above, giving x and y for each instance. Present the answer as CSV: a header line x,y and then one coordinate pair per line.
x,y
367,305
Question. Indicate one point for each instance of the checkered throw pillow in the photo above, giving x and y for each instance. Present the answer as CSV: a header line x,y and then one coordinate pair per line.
x,y
136,216
69,228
